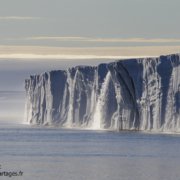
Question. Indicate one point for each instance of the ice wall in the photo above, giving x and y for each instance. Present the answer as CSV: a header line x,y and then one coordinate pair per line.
x,y
135,94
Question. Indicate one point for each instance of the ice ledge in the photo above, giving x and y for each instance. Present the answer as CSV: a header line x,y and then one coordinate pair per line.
x,y
134,94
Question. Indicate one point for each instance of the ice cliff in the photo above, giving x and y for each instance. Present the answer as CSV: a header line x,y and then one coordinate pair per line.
x,y
134,94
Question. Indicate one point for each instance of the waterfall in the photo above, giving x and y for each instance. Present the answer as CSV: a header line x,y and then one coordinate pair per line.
x,y
101,105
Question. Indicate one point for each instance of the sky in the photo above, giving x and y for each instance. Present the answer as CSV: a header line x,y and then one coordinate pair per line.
x,y
95,27
43,35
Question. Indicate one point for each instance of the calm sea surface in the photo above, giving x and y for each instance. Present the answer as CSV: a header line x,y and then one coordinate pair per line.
x,y
57,154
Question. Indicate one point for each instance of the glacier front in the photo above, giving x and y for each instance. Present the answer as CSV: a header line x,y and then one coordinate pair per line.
x,y
134,94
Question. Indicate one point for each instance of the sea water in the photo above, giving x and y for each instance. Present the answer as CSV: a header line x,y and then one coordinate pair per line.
x,y
65,154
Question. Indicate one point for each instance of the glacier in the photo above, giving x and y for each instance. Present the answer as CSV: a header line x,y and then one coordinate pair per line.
x,y
134,94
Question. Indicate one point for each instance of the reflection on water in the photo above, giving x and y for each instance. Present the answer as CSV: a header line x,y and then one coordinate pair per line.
x,y
52,153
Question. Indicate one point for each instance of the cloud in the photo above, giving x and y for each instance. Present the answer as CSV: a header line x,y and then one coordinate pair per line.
x,y
18,18
134,40
105,40
59,38
63,56
44,52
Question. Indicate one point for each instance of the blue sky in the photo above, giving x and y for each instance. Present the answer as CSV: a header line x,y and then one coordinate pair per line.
x,y
89,24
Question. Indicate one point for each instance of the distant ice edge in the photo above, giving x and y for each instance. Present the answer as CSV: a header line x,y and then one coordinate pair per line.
x,y
134,94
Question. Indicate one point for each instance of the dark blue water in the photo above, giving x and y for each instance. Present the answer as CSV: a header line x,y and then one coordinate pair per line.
x,y
52,153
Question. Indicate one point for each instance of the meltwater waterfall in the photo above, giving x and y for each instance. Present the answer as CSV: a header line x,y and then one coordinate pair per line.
x,y
134,94
101,107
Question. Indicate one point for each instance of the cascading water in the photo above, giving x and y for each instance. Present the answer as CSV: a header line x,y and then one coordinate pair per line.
x,y
101,105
